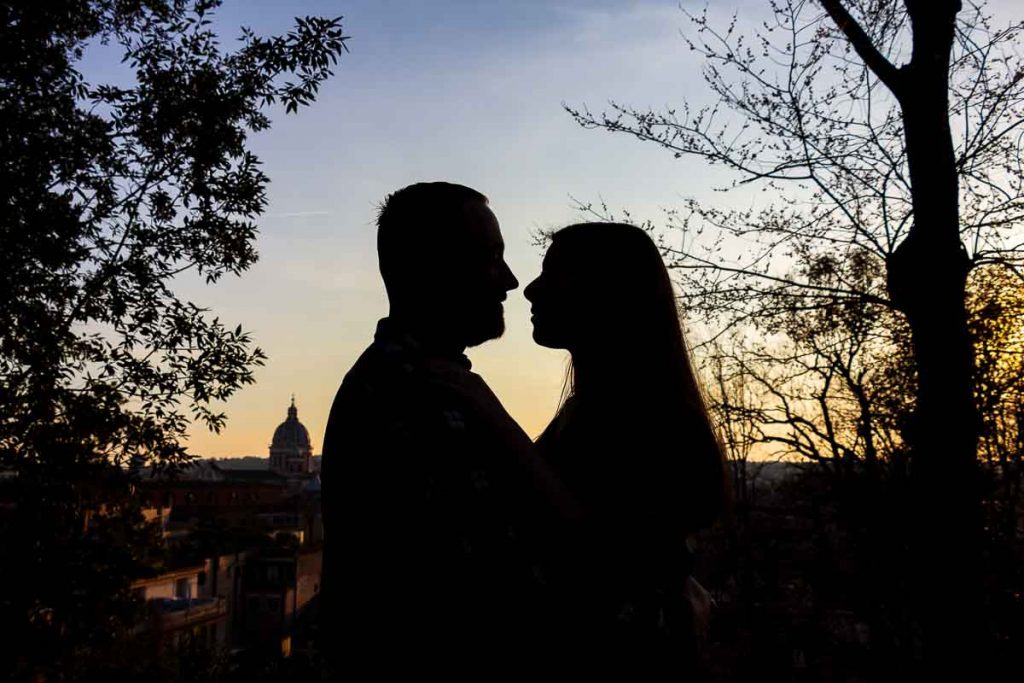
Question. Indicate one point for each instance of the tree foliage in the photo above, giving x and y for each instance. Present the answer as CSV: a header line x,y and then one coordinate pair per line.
x,y
109,192
800,115
862,309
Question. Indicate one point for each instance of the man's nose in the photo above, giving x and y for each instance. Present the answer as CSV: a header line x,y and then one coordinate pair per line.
x,y
510,281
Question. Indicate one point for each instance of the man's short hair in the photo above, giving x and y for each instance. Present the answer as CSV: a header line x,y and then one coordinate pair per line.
x,y
417,224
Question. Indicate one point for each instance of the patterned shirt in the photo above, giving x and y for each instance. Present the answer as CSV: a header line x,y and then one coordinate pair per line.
x,y
438,517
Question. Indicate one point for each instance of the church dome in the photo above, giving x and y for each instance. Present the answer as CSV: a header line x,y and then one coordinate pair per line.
x,y
291,435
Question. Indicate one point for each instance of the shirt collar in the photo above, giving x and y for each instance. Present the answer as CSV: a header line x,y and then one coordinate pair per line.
x,y
393,337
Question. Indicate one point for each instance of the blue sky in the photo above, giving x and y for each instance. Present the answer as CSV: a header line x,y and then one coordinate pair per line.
x,y
455,90
462,91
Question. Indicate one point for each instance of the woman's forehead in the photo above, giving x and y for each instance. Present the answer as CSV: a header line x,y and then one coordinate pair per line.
x,y
575,254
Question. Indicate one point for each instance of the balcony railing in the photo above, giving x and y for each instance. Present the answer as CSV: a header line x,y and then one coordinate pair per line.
x,y
174,613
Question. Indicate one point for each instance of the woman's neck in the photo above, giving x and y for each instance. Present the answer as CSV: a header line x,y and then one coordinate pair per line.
x,y
602,372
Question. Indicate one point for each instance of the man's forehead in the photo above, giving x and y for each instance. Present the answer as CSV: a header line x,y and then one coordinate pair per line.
x,y
481,226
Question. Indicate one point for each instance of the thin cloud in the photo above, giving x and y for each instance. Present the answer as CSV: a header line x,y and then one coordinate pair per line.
x,y
299,214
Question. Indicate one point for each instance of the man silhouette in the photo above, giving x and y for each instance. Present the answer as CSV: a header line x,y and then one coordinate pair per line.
x,y
436,509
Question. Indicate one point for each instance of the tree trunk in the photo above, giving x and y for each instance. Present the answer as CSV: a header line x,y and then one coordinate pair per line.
x,y
927,276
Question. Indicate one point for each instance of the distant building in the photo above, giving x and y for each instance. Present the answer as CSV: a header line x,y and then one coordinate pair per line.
x,y
204,490
248,543
182,604
290,450
280,586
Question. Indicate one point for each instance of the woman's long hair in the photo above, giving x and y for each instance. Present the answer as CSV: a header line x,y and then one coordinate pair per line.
x,y
638,363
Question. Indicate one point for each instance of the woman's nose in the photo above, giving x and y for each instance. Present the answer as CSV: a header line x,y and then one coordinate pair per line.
x,y
530,290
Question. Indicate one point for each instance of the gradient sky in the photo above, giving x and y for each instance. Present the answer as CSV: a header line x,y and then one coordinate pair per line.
x,y
461,90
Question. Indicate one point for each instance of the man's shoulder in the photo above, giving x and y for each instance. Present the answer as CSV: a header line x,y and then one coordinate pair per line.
x,y
383,371
387,384
370,371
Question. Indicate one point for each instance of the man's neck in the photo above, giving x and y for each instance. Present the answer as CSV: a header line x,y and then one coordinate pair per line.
x,y
433,335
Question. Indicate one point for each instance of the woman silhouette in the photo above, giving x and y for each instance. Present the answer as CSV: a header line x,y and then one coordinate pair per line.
x,y
632,442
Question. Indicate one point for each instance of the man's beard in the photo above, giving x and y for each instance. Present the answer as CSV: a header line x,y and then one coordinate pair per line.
x,y
487,325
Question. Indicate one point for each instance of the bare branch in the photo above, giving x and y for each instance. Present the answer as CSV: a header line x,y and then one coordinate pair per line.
x,y
861,42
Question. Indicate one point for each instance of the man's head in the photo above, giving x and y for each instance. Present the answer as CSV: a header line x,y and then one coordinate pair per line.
x,y
442,259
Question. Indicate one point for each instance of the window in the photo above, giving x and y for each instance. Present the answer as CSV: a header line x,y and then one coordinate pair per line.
x,y
182,588
274,604
201,579
273,573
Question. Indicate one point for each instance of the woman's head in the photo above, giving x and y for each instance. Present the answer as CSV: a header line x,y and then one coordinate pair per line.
x,y
603,289
605,295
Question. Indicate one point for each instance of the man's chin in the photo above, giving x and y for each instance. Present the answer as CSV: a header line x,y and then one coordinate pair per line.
x,y
485,331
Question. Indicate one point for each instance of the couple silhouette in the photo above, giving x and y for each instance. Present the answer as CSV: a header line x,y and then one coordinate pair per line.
x,y
454,544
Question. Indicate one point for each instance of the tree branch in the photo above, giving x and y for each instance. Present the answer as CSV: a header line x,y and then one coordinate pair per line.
x,y
861,42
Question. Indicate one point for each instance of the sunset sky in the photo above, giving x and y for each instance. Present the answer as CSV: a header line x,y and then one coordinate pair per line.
x,y
456,90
